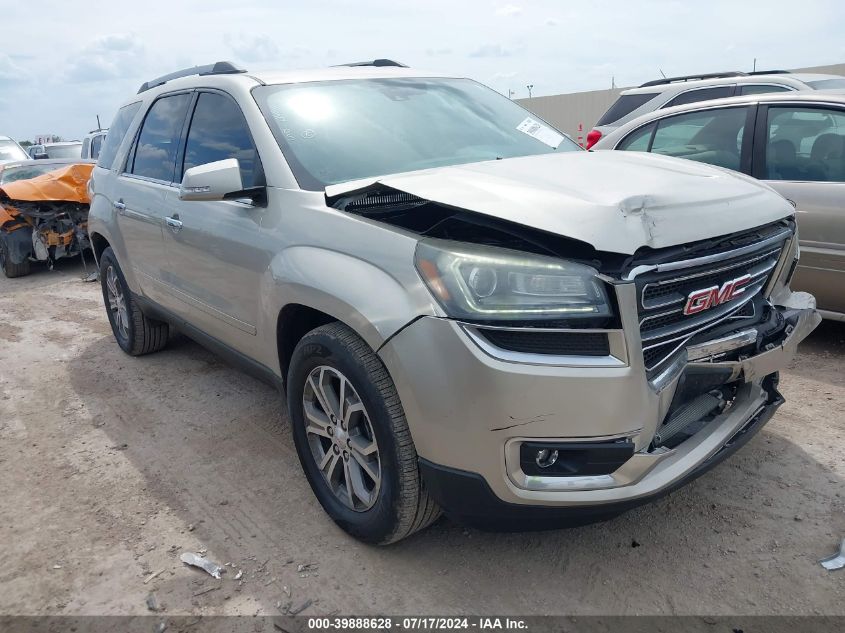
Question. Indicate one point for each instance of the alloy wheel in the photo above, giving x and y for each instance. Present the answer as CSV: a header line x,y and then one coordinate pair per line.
x,y
340,435
117,303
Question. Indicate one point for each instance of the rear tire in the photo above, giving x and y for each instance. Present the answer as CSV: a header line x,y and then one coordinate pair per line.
x,y
136,333
10,269
381,509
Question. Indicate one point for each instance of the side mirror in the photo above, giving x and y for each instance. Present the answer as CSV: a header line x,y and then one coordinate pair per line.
x,y
212,181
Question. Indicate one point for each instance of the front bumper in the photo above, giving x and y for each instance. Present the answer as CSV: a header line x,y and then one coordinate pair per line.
x,y
469,411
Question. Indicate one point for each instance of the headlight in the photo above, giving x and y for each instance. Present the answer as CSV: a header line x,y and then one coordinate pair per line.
x,y
486,283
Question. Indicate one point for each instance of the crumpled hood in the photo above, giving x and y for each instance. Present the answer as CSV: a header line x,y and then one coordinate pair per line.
x,y
615,201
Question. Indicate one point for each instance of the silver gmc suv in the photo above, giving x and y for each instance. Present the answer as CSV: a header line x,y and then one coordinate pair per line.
x,y
464,309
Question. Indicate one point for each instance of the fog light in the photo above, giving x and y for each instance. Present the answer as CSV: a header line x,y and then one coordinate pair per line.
x,y
545,458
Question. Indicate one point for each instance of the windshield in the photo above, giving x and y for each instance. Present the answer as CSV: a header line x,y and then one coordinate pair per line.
x,y
24,172
73,150
827,84
9,150
336,131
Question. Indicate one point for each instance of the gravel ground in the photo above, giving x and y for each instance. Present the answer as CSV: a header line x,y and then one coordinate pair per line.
x,y
112,466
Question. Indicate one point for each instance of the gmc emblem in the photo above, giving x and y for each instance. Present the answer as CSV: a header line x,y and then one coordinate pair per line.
x,y
701,300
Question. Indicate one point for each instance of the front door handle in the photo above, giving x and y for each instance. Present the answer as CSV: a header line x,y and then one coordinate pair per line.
x,y
119,205
174,223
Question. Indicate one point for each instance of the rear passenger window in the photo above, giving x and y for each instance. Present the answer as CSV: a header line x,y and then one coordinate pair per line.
x,y
117,132
624,105
711,136
639,140
219,131
805,144
702,94
758,89
158,142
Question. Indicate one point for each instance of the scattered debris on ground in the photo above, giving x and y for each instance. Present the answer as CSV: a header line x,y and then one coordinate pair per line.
x,y
837,561
195,560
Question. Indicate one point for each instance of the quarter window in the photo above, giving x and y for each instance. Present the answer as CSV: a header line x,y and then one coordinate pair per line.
x,y
219,131
158,142
639,140
805,144
702,94
711,136
96,145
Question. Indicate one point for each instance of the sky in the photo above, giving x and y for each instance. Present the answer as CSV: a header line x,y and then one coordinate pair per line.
x,y
63,63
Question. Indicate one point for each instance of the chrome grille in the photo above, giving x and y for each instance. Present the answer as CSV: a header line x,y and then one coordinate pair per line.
x,y
663,290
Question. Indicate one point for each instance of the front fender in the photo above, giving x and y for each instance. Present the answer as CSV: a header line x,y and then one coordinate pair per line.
x,y
359,293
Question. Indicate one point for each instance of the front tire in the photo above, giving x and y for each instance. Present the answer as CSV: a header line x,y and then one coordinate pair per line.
x,y
10,269
352,438
136,333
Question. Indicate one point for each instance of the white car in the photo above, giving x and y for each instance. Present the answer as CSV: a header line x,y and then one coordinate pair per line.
x,y
10,151
675,91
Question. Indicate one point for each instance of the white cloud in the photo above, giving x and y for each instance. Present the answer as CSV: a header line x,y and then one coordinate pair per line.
x,y
10,71
551,22
253,48
509,11
491,50
502,75
108,57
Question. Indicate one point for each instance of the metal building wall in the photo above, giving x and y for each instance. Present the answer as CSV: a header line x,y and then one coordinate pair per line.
x,y
568,111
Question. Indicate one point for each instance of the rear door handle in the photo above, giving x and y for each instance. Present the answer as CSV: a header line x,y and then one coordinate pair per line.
x,y
174,223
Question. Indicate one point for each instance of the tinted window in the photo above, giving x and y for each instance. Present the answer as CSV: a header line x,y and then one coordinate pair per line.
x,y
117,131
712,136
219,131
639,140
805,144
86,146
625,105
72,150
96,146
702,94
336,131
758,89
158,142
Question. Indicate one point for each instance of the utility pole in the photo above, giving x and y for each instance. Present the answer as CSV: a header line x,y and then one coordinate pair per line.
x,y
755,65
530,87
511,93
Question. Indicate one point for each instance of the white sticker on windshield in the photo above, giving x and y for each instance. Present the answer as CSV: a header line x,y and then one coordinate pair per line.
x,y
542,133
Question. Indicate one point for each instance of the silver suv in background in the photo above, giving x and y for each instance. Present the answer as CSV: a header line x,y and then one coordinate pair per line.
x,y
456,318
674,91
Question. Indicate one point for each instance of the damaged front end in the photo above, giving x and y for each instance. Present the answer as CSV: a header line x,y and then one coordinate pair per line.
x,y
44,219
602,414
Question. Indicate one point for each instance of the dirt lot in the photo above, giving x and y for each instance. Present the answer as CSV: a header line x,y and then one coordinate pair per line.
x,y
112,466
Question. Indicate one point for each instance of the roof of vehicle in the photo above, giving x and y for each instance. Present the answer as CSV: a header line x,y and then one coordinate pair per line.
x,y
5,138
809,97
681,83
62,143
200,75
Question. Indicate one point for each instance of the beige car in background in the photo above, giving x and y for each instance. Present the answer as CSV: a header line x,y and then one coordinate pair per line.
x,y
793,142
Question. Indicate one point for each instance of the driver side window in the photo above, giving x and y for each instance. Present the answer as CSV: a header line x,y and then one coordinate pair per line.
x,y
219,131
805,144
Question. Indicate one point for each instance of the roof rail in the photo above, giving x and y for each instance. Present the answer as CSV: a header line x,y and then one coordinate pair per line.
x,y
671,80
217,68
376,62
770,72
